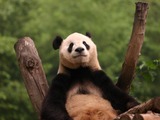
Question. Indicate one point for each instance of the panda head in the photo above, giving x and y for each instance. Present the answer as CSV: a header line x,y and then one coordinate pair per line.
x,y
76,51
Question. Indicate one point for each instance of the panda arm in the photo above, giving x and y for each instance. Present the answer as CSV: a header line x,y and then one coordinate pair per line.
x,y
53,107
118,98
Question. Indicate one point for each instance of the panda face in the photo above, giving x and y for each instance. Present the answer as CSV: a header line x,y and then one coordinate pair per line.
x,y
77,50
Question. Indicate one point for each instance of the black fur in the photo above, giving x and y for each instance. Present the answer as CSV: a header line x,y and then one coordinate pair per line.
x,y
88,34
87,46
70,47
57,42
53,107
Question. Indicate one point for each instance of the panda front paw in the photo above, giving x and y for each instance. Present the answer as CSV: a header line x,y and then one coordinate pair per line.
x,y
99,73
132,104
98,77
62,76
101,79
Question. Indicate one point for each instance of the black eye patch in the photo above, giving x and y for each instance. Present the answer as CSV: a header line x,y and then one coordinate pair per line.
x,y
87,46
70,47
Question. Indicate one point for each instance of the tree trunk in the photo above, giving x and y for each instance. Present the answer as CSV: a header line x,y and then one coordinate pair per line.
x,y
32,71
134,47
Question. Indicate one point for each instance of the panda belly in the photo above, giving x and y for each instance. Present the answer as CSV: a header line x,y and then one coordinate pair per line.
x,y
85,102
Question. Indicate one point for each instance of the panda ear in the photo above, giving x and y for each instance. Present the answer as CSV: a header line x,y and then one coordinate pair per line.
x,y
88,34
57,42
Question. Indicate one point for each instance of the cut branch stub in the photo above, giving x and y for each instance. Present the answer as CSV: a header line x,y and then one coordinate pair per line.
x,y
32,71
134,47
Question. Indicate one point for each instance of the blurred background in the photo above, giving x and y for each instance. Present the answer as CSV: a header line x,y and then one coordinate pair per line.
x,y
110,23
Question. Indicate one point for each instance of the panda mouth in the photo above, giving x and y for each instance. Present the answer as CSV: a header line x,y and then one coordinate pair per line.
x,y
79,56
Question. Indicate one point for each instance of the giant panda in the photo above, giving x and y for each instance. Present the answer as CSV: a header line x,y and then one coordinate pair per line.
x,y
81,90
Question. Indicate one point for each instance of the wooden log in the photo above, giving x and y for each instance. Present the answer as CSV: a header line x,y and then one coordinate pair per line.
x,y
147,116
125,117
140,112
32,71
151,105
134,47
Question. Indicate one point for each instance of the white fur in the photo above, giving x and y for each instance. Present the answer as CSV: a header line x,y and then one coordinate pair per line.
x,y
73,60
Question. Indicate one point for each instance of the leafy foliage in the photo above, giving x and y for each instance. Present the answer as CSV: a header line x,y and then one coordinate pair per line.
x,y
148,79
109,21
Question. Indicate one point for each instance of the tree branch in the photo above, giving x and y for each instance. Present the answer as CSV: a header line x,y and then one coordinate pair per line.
x,y
32,71
151,105
147,116
140,112
134,47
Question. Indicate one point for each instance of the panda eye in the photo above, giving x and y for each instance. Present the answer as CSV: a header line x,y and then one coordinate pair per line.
x,y
87,46
70,47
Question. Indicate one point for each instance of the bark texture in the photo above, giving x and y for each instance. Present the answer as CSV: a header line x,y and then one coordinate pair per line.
x,y
134,47
143,111
32,71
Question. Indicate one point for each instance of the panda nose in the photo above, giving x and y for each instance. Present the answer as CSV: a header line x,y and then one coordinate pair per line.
x,y
79,49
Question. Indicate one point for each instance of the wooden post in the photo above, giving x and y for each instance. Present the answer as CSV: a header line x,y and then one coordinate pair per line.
x,y
134,47
32,71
